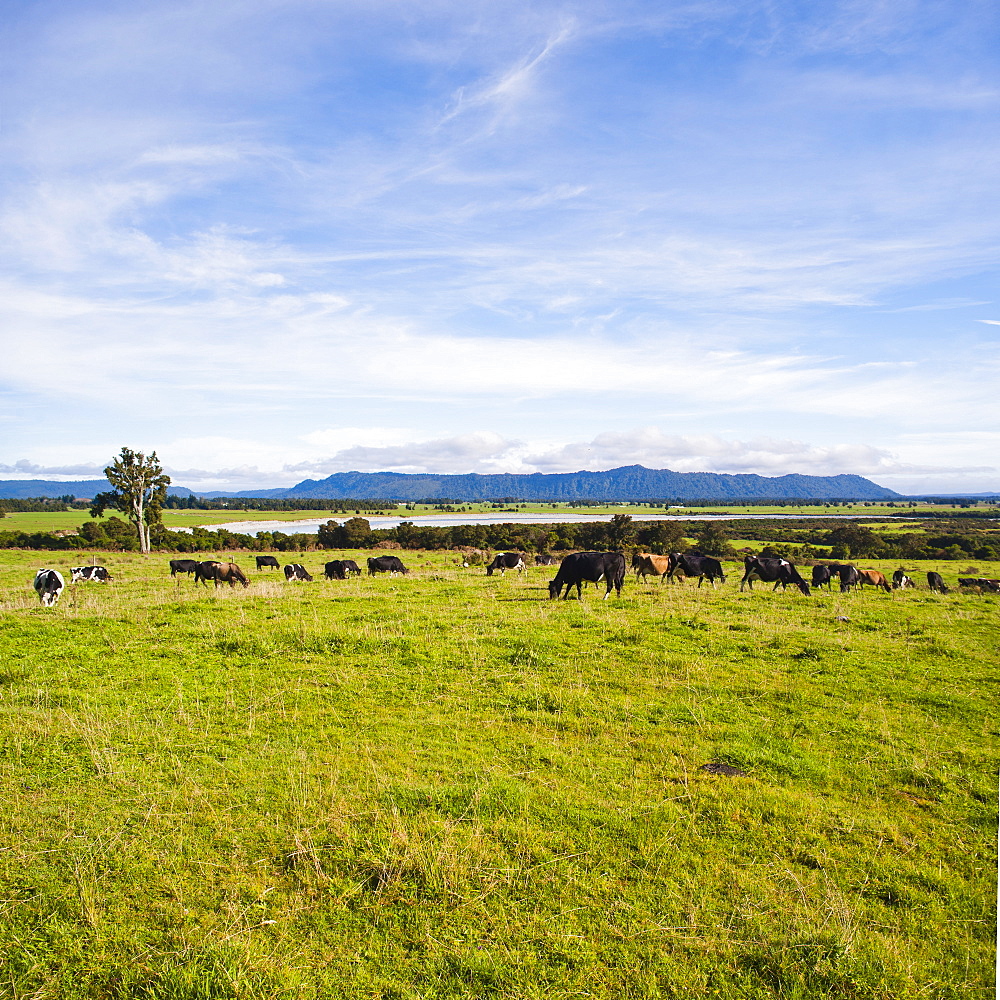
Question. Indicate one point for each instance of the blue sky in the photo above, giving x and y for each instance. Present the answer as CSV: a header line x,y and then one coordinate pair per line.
x,y
276,240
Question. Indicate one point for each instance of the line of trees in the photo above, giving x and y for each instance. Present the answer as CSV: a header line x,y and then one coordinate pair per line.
x,y
832,540
39,505
175,502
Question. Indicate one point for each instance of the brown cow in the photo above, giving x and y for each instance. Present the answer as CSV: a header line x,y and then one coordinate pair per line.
x,y
219,571
646,563
874,578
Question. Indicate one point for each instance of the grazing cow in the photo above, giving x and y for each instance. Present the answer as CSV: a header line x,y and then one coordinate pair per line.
x,y
825,574
386,564
49,585
350,566
648,564
504,561
780,572
692,564
98,573
873,578
296,571
335,570
267,562
849,578
592,566
900,581
205,571
980,584
183,566
546,559
220,572
935,582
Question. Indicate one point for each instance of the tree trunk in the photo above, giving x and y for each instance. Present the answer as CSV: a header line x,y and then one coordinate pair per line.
x,y
140,524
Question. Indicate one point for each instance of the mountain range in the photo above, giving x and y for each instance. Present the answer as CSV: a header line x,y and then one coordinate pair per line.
x,y
630,482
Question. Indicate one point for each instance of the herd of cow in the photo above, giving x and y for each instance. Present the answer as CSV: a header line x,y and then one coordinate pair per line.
x,y
574,570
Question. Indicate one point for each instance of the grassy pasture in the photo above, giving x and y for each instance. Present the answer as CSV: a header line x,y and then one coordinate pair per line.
x,y
445,785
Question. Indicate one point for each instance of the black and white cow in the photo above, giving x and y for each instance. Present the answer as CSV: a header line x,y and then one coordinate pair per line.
x,y
350,566
691,564
386,564
49,585
267,562
183,566
98,573
936,583
900,581
504,561
980,584
296,571
546,559
780,572
850,578
581,567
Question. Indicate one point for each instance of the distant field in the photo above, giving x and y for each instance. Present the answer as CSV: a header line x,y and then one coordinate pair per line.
x,y
62,520
445,785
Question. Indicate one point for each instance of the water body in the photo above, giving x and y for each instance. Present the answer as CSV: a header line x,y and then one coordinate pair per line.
x,y
452,520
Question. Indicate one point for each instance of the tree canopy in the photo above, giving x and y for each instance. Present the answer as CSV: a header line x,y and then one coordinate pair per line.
x,y
140,491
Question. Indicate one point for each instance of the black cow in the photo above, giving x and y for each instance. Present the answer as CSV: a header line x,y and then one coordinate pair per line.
x,y
504,561
335,570
691,564
296,571
545,559
780,572
900,581
267,562
386,564
850,578
589,566
98,573
825,574
49,585
935,582
350,566
980,584
183,566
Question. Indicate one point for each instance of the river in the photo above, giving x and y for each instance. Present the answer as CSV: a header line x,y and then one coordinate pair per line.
x,y
511,517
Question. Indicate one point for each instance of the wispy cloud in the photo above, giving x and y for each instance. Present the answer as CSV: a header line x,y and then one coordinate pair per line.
x,y
499,216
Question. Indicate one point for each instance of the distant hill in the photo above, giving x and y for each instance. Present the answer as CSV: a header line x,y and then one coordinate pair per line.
x,y
631,482
87,489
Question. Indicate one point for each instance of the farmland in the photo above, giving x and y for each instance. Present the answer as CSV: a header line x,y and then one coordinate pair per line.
x,y
41,520
445,785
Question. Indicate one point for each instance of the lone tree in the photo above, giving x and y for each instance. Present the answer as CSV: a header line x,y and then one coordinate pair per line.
x,y
140,490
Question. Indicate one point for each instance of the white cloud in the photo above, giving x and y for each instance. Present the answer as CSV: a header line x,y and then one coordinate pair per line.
x,y
216,462
26,469
499,216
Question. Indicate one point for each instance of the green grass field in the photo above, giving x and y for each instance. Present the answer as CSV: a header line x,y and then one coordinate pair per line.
x,y
445,785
